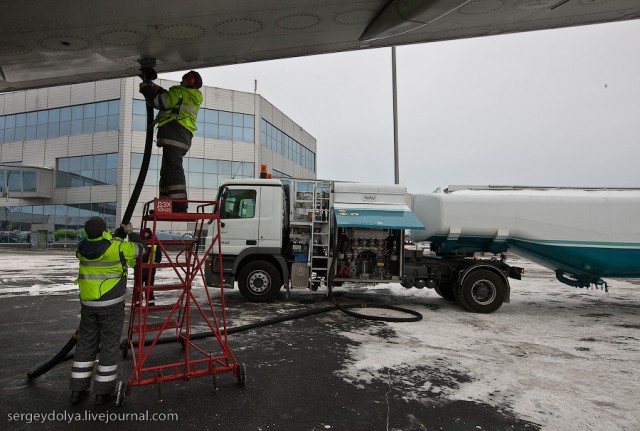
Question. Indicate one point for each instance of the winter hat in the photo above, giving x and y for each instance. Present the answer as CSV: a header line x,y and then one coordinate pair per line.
x,y
94,227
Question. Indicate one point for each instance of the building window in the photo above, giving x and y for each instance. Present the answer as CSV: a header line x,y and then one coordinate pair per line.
x,y
279,142
91,170
68,221
53,123
210,123
199,173
14,181
278,174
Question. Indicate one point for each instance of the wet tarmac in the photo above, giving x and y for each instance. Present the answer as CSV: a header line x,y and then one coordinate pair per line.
x,y
292,381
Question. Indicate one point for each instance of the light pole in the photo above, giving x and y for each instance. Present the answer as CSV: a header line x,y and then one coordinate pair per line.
x,y
395,116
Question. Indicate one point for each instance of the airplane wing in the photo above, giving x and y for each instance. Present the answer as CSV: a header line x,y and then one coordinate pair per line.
x,y
45,43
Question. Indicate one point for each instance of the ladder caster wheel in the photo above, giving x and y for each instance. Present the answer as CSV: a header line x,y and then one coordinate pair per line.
x,y
124,348
242,374
120,390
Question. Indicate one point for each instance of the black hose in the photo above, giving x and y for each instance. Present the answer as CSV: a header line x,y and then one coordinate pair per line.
x,y
59,357
345,309
148,146
416,317
64,353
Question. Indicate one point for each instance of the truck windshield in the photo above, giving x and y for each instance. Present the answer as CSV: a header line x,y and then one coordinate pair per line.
x,y
238,203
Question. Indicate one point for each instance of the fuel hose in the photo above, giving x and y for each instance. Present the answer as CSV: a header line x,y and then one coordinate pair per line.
x,y
148,75
413,316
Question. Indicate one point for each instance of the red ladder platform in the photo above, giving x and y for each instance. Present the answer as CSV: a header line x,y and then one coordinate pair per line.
x,y
212,355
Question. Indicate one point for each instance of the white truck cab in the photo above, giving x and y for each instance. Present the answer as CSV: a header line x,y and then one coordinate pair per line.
x,y
305,233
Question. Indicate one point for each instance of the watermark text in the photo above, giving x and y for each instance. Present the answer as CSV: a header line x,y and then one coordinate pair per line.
x,y
89,416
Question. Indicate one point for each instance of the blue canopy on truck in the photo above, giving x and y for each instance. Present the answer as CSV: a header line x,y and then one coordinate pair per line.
x,y
376,216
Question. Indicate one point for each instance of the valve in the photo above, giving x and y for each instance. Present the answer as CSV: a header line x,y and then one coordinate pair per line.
x,y
148,74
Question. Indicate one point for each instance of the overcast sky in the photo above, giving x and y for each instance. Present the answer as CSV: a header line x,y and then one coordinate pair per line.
x,y
556,108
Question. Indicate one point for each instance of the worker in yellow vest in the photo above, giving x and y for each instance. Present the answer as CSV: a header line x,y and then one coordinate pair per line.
x,y
176,122
102,280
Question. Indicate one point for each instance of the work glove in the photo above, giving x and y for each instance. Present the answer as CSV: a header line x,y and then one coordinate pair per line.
x,y
127,228
150,90
119,233
135,237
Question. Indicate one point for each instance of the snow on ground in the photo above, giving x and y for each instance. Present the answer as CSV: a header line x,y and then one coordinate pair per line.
x,y
561,357
52,270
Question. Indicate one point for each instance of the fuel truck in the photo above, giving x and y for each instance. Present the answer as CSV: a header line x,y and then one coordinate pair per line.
x,y
302,233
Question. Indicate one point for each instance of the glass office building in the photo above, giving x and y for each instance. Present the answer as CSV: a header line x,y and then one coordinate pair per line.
x,y
71,152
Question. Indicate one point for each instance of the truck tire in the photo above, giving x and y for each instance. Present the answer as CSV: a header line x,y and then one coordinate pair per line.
x,y
482,292
259,281
446,290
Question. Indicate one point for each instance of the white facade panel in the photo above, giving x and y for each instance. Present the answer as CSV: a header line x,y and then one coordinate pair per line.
x,y
196,150
109,89
222,99
59,196
11,152
36,99
83,93
103,193
287,127
78,195
137,142
222,150
80,145
243,102
243,151
59,96
266,110
33,153
104,142
14,102
55,149
147,194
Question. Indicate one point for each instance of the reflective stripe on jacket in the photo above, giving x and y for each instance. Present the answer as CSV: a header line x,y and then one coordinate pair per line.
x,y
178,103
98,276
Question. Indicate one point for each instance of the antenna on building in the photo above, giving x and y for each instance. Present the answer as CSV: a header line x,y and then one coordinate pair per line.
x,y
255,86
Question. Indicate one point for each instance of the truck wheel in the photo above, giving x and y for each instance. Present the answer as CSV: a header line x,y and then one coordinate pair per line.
x,y
482,292
259,281
446,291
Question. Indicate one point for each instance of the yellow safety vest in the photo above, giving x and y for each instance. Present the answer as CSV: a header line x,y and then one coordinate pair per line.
x,y
98,276
180,104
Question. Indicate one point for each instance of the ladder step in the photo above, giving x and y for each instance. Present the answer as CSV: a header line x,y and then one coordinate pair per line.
x,y
160,287
154,327
176,244
179,216
163,265
156,308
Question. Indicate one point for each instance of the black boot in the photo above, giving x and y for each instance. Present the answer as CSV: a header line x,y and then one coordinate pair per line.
x,y
77,396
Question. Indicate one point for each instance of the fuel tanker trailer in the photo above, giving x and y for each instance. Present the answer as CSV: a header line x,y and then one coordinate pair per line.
x,y
582,234
302,233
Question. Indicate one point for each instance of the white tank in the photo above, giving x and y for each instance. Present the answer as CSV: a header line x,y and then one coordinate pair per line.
x,y
593,232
